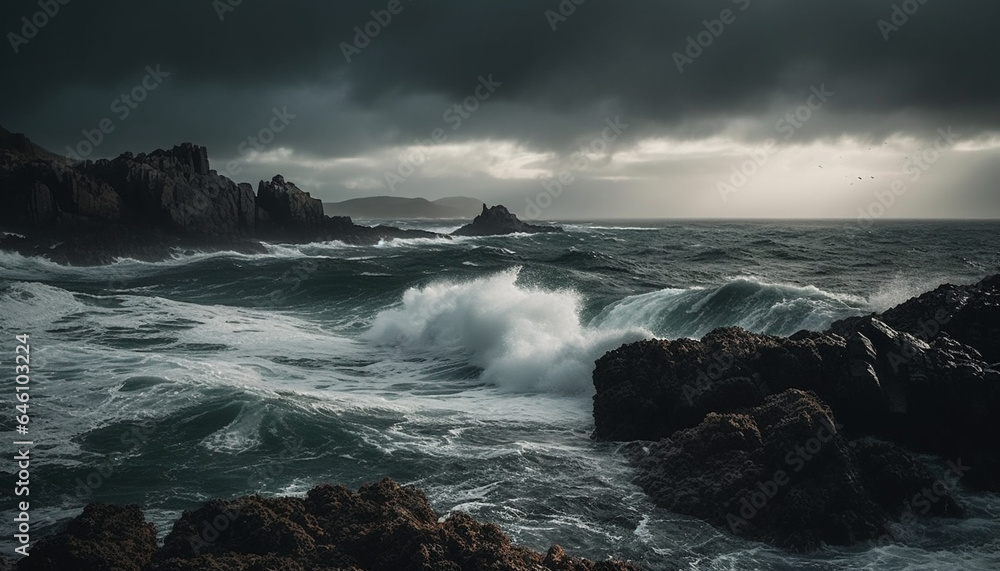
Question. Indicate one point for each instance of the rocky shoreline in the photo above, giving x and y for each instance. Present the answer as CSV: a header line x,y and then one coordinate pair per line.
x,y
795,441
381,527
149,206
810,439
798,442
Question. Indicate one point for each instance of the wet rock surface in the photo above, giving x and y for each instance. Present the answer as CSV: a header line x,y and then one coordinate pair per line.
x,y
710,418
782,473
969,314
380,527
102,537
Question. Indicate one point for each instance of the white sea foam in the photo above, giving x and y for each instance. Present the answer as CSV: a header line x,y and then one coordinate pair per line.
x,y
524,338
412,242
585,227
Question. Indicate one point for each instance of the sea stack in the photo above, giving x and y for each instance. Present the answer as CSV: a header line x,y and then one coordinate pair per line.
x,y
498,221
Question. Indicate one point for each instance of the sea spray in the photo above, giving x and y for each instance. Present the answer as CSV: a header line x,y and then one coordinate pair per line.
x,y
524,338
776,309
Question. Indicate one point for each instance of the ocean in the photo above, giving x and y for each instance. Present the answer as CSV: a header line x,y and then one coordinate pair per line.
x,y
462,366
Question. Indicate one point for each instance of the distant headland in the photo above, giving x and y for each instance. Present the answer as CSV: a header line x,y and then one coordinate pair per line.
x,y
146,206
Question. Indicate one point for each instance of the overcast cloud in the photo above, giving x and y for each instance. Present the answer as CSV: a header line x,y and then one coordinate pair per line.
x,y
871,99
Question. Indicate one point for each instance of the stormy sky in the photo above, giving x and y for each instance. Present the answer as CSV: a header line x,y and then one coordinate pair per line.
x,y
571,109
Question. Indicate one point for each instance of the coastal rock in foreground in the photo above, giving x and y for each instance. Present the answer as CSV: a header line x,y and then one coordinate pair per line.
x,y
783,473
381,527
936,396
497,221
102,537
969,314
731,410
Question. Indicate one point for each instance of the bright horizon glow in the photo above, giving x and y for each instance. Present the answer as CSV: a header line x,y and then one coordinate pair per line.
x,y
667,178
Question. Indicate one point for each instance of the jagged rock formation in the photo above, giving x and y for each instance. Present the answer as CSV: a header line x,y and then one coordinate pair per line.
x,y
40,188
145,206
498,221
922,389
282,206
968,314
176,191
381,527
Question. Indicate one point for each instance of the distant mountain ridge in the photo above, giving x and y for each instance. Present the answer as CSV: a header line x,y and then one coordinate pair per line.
x,y
395,207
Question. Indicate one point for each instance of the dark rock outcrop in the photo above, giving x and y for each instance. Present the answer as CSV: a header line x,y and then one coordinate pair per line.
x,y
497,221
782,473
43,189
381,527
175,191
939,397
102,538
651,389
284,207
968,314
713,404
147,206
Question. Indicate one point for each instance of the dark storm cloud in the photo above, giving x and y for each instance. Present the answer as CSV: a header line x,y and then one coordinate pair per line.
x,y
605,58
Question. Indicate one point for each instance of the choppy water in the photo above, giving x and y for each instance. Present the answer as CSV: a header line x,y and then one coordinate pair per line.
x,y
462,366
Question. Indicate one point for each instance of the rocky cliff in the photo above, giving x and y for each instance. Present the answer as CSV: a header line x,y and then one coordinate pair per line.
x,y
145,206
283,207
40,188
176,191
